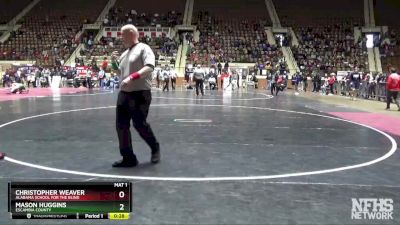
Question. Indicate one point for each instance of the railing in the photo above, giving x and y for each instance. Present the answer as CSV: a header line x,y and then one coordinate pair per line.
x,y
141,29
291,57
368,90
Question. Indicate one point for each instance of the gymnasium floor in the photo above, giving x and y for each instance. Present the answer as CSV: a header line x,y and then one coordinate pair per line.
x,y
239,158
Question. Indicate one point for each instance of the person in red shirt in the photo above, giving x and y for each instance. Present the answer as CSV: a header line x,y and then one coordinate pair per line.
x,y
104,65
224,75
331,82
393,88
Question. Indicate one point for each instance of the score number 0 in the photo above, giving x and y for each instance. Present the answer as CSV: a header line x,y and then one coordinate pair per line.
x,y
121,195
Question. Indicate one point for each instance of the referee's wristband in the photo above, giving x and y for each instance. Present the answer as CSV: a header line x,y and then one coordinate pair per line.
x,y
135,76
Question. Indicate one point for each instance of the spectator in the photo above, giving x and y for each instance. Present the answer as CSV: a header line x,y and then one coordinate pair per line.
x,y
173,76
219,66
104,65
165,73
6,79
101,78
331,82
393,87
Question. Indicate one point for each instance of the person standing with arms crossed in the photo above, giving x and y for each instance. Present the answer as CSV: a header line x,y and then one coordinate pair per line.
x,y
135,66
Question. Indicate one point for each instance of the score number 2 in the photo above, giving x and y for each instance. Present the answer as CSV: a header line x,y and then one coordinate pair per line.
x,y
121,195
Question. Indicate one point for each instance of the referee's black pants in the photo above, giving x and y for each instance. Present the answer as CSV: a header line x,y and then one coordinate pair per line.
x,y
134,106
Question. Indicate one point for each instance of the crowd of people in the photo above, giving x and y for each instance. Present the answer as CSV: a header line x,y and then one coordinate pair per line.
x,y
237,40
164,48
163,76
118,16
331,48
390,49
38,77
70,77
354,84
48,34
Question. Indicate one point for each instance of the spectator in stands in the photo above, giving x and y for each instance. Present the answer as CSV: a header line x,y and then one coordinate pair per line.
x,y
104,65
393,88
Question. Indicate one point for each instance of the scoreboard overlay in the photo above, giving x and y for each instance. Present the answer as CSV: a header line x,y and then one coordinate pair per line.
x,y
70,200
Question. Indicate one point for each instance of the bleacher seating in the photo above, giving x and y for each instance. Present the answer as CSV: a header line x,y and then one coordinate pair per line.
x,y
231,40
226,37
163,47
230,31
326,33
48,31
330,48
390,49
144,13
313,12
386,14
140,14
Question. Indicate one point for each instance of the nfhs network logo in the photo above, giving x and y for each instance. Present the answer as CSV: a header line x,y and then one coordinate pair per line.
x,y
372,209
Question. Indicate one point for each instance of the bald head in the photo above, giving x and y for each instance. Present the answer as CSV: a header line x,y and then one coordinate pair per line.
x,y
130,35
129,27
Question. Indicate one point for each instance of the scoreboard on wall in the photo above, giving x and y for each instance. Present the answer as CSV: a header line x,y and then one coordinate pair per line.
x,y
70,200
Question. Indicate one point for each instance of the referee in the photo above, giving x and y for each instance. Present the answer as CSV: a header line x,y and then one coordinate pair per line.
x,y
135,65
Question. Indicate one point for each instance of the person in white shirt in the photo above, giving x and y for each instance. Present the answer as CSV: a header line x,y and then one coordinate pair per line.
x,y
198,76
89,79
165,74
102,76
173,77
